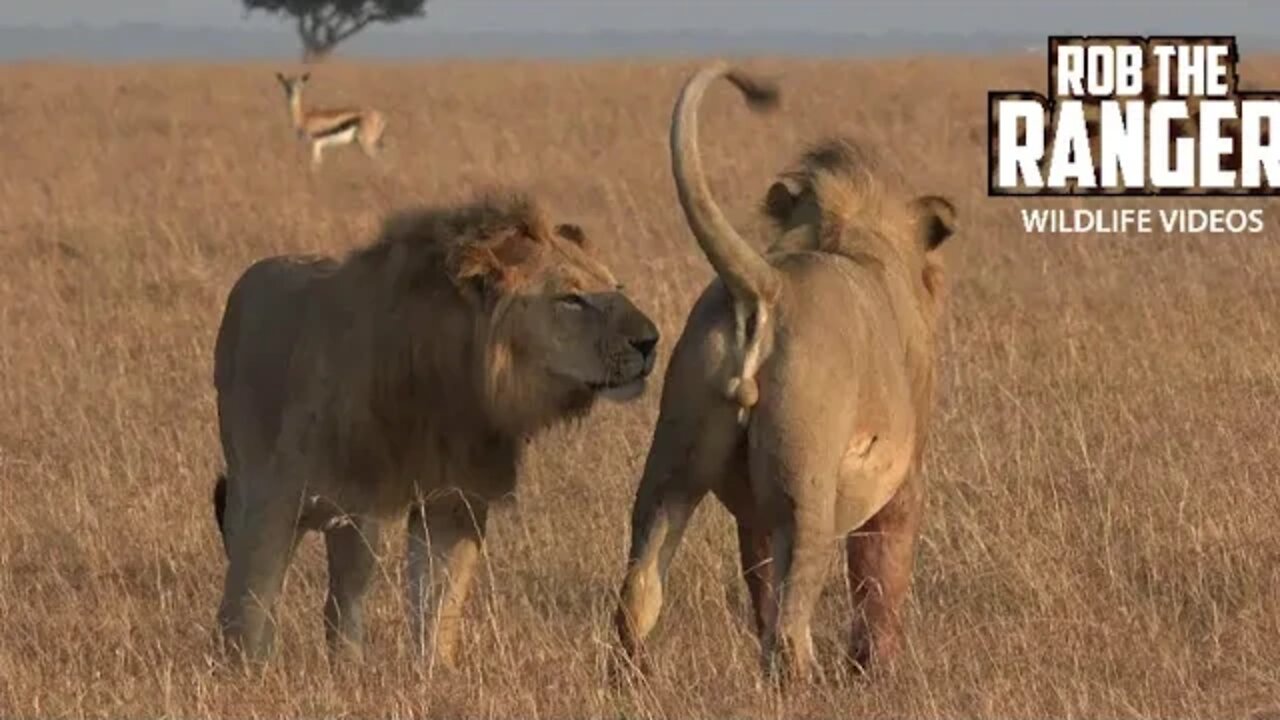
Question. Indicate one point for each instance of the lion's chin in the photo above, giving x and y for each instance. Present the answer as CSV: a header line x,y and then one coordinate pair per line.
x,y
625,392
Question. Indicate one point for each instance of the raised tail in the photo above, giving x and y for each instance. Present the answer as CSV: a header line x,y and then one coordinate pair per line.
x,y
750,279
742,268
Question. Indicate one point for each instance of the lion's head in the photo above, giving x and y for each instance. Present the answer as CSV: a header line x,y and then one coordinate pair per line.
x,y
547,326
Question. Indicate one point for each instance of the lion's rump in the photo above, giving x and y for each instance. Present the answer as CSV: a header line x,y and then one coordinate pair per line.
x,y
264,320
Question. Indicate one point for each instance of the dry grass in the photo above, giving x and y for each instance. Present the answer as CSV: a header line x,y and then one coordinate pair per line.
x,y
1102,535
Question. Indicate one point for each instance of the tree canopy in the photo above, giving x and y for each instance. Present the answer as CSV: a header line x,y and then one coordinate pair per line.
x,y
322,24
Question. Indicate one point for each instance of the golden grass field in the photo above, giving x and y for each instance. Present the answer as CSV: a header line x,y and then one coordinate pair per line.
x,y
1103,532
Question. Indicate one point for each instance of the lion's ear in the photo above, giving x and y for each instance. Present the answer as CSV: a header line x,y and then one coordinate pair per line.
x,y
471,262
491,264
936,219
514,249
572,233
780,201
475,266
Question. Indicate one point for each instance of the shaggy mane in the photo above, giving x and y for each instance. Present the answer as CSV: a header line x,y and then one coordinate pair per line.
x,y
863,201
425,339
490,215
434,234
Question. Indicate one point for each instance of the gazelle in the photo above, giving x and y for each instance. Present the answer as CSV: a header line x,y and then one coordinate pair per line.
x,y
325,127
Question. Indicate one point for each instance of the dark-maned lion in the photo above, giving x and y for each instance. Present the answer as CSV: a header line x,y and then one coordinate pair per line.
x,y
408,374
799,394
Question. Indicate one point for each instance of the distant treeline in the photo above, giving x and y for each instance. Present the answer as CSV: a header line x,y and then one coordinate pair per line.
x,y
152,41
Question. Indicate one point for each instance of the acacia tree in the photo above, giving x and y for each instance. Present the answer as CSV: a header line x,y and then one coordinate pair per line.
x,y
322,24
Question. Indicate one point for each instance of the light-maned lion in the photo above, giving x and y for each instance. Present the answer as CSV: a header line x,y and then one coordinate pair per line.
x,y
409,374
831,334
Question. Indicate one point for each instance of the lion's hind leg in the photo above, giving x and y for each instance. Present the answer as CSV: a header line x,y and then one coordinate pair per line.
x,y
801,562
794,474
263,533
753,540
350,547
689,456
880,556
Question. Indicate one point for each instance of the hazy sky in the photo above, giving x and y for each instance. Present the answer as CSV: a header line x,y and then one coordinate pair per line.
x,y
1034,16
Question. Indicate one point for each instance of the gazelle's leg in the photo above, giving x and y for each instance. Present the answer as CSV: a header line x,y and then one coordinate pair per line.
x,y
374,148
371,145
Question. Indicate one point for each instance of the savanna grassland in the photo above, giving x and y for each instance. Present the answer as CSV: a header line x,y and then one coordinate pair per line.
x,y
1103,532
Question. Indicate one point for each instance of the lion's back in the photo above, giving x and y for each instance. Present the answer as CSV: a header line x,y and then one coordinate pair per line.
x,y
261,326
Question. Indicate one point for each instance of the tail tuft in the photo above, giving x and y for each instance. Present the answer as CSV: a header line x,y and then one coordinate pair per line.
x,y
760,94
220,504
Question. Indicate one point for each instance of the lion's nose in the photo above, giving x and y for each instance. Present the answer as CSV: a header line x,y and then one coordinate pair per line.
x,y
645,345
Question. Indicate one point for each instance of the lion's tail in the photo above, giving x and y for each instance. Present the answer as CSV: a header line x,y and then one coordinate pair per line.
x,y
220,505
744,269
749,277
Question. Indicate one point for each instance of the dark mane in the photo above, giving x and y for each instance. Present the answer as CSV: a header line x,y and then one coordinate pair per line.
x,y
427,235
491,214
412,299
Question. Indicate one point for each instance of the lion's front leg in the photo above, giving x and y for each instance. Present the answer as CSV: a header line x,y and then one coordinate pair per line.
x,y
445,537
352,563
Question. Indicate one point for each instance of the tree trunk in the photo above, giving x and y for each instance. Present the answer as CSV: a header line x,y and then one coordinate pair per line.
x,y
317,40
320,33
315,52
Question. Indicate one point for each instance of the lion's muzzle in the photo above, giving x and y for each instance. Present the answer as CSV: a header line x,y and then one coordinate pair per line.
x,y
641,334
647,348
636,356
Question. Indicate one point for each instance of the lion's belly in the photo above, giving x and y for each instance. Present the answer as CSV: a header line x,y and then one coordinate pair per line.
x,y
871,471
387,480
880,452
374,496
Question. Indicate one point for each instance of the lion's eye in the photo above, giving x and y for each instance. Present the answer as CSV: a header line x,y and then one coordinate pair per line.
x,y
573,301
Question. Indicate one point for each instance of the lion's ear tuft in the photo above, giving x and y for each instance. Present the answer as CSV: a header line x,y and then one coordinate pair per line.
x,y
936,218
